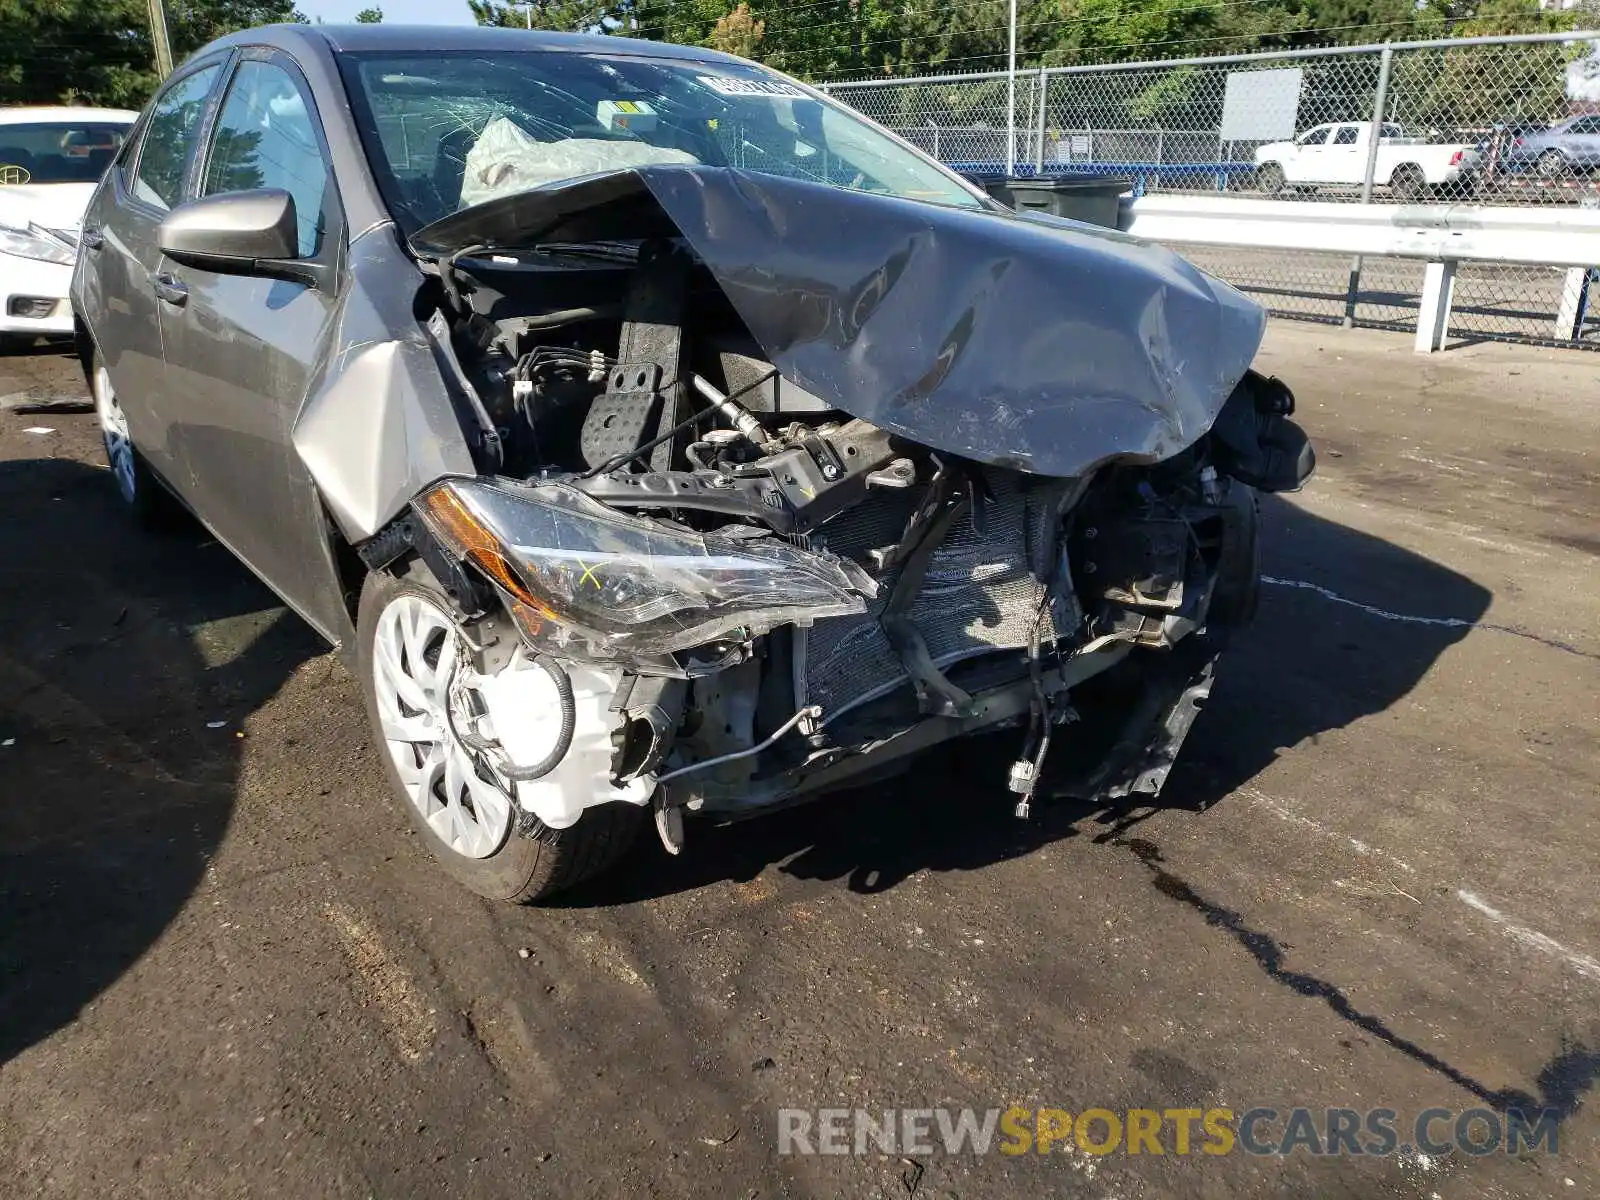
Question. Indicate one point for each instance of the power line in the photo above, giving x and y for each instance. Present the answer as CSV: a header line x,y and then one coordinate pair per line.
x,y
868,73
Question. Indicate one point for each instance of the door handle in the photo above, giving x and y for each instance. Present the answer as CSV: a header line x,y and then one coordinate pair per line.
x,y
171,289
91,239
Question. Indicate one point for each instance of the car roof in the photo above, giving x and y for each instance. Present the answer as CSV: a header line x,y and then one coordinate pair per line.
x,y
30,116
386,38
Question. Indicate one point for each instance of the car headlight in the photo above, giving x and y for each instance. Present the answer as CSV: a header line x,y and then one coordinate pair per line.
x,y
36,244
630,584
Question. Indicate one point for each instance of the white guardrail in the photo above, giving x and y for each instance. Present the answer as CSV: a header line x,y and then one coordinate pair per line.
x,y
1441,235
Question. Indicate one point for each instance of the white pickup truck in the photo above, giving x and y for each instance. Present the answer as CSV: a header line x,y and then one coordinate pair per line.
x,y
1334,154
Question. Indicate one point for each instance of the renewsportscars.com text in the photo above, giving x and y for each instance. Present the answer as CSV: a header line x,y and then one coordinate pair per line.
x,y
1263,1131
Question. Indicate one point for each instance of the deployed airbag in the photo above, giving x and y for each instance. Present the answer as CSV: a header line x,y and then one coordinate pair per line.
x,y
507,159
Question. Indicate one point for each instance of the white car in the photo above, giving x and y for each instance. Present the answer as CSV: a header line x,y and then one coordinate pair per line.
x,y
50,161
1336,153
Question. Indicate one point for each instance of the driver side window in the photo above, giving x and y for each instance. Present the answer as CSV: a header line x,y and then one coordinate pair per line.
x,y
265,139
1315,138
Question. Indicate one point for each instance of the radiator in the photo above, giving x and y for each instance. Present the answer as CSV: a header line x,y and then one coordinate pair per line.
x,y
980,594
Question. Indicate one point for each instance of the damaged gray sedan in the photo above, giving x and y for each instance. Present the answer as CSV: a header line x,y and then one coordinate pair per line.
x,y
660,438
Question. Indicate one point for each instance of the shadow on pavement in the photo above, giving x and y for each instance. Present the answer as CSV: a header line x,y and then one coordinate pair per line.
x,y
1562,1083
1307,666
116,648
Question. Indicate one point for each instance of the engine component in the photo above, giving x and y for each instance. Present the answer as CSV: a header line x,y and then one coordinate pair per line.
x,y
811,712
645,388
742,367
978,596
651,710
821,474
740,416
1135,573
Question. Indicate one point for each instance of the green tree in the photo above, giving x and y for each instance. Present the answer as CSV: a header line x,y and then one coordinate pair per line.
x,y
1466,89
370,16
570,16
72,51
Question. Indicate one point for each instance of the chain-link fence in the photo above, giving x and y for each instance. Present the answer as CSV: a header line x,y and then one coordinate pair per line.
x,y
1503,120
1475,120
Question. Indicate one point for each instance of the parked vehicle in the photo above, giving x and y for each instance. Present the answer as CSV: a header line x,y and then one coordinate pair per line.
x,y
654,433
1337,153
1568,148
50,161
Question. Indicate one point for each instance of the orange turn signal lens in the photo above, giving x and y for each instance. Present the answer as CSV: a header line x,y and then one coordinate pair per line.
x,y
458,526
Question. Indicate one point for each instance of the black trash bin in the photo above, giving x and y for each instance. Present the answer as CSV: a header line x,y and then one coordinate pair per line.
x,y
1089,198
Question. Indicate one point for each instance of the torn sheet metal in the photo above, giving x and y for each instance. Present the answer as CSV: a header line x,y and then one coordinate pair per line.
x,y
1022,341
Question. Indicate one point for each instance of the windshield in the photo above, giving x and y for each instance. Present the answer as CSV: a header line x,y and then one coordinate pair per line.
x,y
58,151
445,132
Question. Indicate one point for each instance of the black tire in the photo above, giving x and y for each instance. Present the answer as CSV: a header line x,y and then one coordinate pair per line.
x,y
1553,164
1408,182
138,487
1269,178
1237,592
535,861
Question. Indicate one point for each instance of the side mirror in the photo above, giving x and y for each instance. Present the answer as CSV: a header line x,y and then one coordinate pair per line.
x,y
243,233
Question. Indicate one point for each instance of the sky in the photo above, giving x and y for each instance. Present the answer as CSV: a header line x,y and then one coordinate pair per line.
x,y
395,12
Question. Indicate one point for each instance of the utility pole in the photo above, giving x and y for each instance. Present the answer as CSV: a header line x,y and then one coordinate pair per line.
x,y
1011,97
159,37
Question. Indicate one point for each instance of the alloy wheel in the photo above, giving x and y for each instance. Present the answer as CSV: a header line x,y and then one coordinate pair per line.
x,y
114,432
414,662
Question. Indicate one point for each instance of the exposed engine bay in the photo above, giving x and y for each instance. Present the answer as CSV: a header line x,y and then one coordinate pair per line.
x,y
736,593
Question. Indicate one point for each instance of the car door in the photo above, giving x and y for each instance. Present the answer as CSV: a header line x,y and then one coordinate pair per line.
x,y
241,349
1346,155
1304,164
117,300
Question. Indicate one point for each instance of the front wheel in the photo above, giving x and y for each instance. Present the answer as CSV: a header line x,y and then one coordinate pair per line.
x,y
410,650
1270,178
1553,164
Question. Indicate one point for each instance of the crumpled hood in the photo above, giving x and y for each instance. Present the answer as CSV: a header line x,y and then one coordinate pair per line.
x,y
1022,341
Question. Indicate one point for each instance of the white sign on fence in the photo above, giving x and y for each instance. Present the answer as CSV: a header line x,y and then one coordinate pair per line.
x,y
1260,106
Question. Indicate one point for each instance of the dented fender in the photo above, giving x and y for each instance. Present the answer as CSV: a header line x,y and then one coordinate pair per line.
x,y
379,425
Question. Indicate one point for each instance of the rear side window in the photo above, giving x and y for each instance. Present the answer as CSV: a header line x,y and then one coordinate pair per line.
x,y
1346,136
168,136
265,139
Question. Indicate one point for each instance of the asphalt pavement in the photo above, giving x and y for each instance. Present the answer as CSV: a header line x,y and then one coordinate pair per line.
x,y
226,969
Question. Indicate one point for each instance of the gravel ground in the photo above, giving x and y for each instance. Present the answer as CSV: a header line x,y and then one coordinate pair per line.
x,y
227,970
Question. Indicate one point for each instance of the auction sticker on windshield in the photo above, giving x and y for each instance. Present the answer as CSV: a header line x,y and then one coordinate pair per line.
x,y
727,86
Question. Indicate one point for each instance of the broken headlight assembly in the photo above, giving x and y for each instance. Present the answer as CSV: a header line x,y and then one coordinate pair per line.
x,y
572,568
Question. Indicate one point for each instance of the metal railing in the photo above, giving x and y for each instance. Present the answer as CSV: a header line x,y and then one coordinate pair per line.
x,y
1556,247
